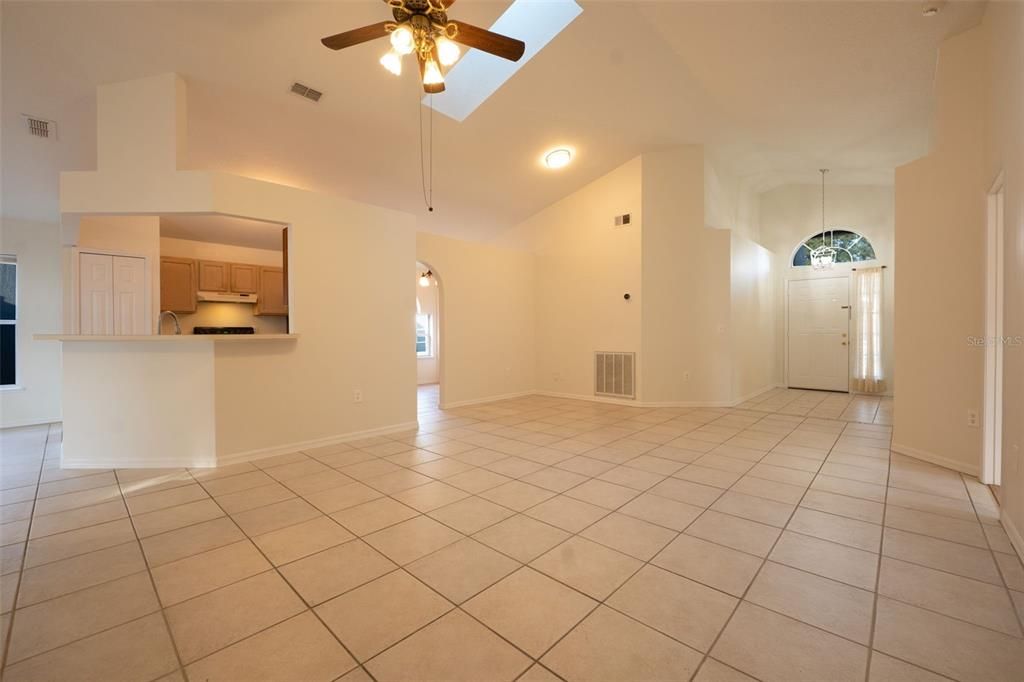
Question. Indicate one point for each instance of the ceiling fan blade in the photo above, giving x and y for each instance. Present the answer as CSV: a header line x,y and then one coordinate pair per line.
x,y
488,41
356,36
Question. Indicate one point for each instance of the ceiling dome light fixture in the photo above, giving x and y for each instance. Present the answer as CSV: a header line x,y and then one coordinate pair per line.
x,y
558,158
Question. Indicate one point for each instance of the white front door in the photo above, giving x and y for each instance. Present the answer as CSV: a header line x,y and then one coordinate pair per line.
x,y
819,334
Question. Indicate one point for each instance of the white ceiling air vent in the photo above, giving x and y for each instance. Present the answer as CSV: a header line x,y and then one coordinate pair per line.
x,y
40,127
615,374
622,220
307,92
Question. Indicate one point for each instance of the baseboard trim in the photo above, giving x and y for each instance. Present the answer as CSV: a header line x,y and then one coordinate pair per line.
x,y
972,469
491,399
639,403
30,422
262,453
1011,531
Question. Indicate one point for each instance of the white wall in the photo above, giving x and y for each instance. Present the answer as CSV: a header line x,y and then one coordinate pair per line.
x,y
427,368
753,307
224,314
487,317
686,349
791,213
352,313
584,267
37,248
1004,24
940,293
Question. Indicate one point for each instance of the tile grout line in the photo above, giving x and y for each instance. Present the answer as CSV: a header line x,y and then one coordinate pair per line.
x,y
878,574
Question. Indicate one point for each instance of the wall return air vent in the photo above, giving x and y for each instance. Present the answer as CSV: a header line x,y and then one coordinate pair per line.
x,y
615,375
40,127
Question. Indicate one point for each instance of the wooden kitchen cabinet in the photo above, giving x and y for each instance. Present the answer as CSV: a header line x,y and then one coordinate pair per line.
x,y
214,276
178,284
244,278
271,298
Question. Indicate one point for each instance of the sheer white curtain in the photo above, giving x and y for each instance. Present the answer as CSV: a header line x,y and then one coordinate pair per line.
x,y
868,371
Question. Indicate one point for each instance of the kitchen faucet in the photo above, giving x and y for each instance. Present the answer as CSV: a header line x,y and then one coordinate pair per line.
x,y
160,322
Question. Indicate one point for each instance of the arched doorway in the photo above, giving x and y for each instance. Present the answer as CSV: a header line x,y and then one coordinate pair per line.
x,y
428,338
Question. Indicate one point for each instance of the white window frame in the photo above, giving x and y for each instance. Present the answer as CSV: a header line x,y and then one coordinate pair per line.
x,y
429,336
9,259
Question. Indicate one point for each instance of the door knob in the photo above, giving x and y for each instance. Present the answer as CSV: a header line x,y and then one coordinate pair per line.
x,y
844,343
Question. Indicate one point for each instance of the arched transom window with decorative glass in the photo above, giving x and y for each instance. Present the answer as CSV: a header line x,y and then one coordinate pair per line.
x,y
850,247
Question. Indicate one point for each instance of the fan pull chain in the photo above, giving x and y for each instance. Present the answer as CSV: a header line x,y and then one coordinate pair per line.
x,y
427,174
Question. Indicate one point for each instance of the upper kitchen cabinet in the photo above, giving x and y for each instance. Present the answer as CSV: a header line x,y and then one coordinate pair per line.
x,y
177,284
214,276
244,278
272,298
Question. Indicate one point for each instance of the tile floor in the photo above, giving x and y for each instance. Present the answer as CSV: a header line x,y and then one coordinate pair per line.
x,y
530,539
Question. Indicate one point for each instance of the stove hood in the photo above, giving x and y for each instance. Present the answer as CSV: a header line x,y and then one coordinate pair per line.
x,y
224,297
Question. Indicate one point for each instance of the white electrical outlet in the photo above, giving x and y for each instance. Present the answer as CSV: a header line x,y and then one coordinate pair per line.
x,y
357,395
972,418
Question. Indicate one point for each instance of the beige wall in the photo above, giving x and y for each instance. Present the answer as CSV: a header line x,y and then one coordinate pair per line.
x,y
1004,23
584,267
487,321
791,213
686,349
940,292
224,314
37,248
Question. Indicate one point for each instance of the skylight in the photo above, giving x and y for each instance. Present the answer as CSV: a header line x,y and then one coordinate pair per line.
x,y
478,75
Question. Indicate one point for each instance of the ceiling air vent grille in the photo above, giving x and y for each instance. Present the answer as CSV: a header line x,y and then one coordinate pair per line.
x,y
615,374
307,92
40,127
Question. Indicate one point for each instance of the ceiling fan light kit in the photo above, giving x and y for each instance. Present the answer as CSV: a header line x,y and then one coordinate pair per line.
x,y
422,27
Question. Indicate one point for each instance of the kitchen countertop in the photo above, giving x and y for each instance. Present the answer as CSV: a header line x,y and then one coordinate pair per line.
x,y
164,338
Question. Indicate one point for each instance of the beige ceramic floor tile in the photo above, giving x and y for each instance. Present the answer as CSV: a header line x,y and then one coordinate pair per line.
x,y
714,671
463,569
831,560
850,532
603,494
715,565
530,610
554,479
138,650
201,573
69,575
952,595
173,518
251,498
638,539
936,526
140,504
280,515
772,647
408,541
369,517
521,537
732,531
73,543
336,499
946,645
336,570
943,555
758,509
429,497
471,514
888,669
214,620
662,511
178,544
294,542
373,617
300,648
476,480
517,495
61,522
609,647
587,566
827,604
482,655
567,513
60,621
680,608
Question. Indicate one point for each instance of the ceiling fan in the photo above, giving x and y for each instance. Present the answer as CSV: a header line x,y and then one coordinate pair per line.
x,y
422,27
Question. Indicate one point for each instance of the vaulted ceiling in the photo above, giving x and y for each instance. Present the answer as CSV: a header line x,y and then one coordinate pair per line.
x,y
774,89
